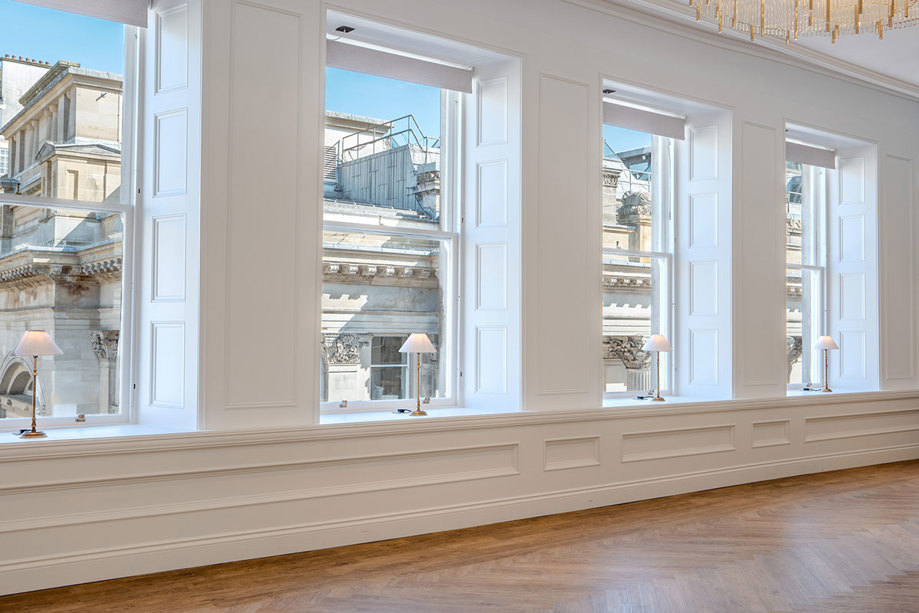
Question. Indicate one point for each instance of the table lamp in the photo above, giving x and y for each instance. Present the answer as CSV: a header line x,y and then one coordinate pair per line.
x,y
418,344
826,343
35,343
657,343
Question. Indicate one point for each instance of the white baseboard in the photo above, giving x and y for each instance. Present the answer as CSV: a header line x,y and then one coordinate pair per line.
x,y
112,562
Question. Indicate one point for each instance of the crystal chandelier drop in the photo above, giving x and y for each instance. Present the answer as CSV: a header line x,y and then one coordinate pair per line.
x,y
789,19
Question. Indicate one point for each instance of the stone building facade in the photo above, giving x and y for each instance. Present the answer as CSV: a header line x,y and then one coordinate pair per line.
x,y
17,76
60,268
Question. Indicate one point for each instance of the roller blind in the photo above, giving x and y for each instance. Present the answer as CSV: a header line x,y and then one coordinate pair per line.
x,y
394,66
807,154
131,12
643,120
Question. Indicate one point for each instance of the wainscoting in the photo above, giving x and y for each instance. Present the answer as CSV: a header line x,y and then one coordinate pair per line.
x,y
83,510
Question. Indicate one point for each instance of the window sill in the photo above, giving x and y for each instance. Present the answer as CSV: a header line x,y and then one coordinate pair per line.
x,y
89,432
435,412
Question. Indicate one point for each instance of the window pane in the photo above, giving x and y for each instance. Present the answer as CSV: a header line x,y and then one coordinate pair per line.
x,y
60,271
387,383
804,291
382,149
63,113
377,289
627,219
631,293
794,218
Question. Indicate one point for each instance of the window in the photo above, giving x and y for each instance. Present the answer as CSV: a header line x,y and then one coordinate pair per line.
x,y
636,265
61,262
389,239
805,256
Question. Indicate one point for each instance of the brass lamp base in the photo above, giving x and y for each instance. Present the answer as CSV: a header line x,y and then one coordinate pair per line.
x,y
418,413
33,434
826,389
657,399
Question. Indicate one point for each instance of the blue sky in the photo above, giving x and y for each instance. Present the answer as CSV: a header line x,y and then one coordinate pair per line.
x,y
621,139
48,35
382,98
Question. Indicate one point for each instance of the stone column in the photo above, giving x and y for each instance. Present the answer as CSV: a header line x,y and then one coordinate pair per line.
x,y
637,362
636,212
343,365
105,346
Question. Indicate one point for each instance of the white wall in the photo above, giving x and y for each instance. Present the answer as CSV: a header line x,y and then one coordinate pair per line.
x,y
91,509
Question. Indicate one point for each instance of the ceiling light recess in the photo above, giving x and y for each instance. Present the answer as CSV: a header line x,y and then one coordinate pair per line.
x,y
789,19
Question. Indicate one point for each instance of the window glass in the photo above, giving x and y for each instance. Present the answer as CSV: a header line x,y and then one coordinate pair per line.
x,y
382,169
805,275
634,274
61,86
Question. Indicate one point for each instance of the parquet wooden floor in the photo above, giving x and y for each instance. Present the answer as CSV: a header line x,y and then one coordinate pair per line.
x,y
844,541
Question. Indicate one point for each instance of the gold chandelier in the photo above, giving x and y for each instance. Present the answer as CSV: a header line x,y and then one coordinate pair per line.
x,y
789,19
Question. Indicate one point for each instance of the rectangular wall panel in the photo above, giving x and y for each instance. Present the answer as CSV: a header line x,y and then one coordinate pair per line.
x,y
492,115
562,259
491,358
703,352
898,272
262,255
172,49
703,288
852,354
771,433
491,271
169,258
641,446
565,453
703,142
861,424
171,153
852,180
852,296
703,228
760,328
852,238
491,194
168,364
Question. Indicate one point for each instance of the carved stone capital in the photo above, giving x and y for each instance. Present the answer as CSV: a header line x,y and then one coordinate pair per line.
x,y
105,344
343,348
634,205
611,177
627,349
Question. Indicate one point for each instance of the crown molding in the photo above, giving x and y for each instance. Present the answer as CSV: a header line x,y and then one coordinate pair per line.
x,y
678,19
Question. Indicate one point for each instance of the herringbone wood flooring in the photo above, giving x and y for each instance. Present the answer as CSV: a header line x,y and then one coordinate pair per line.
x,y
843,541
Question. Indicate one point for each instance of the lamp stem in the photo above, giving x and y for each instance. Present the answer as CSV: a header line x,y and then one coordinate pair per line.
x,y
34,433
826,370
658,385
418,410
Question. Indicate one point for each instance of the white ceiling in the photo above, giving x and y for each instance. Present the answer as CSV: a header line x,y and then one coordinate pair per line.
x,y
892,63
896,56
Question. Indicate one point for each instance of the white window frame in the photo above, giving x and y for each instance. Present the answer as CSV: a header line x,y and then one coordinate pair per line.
x,y
130,164
820,231
451,219
662,195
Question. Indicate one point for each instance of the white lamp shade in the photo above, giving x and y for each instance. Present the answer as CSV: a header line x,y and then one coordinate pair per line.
x,y
36,342
657,342
826,342
417,343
